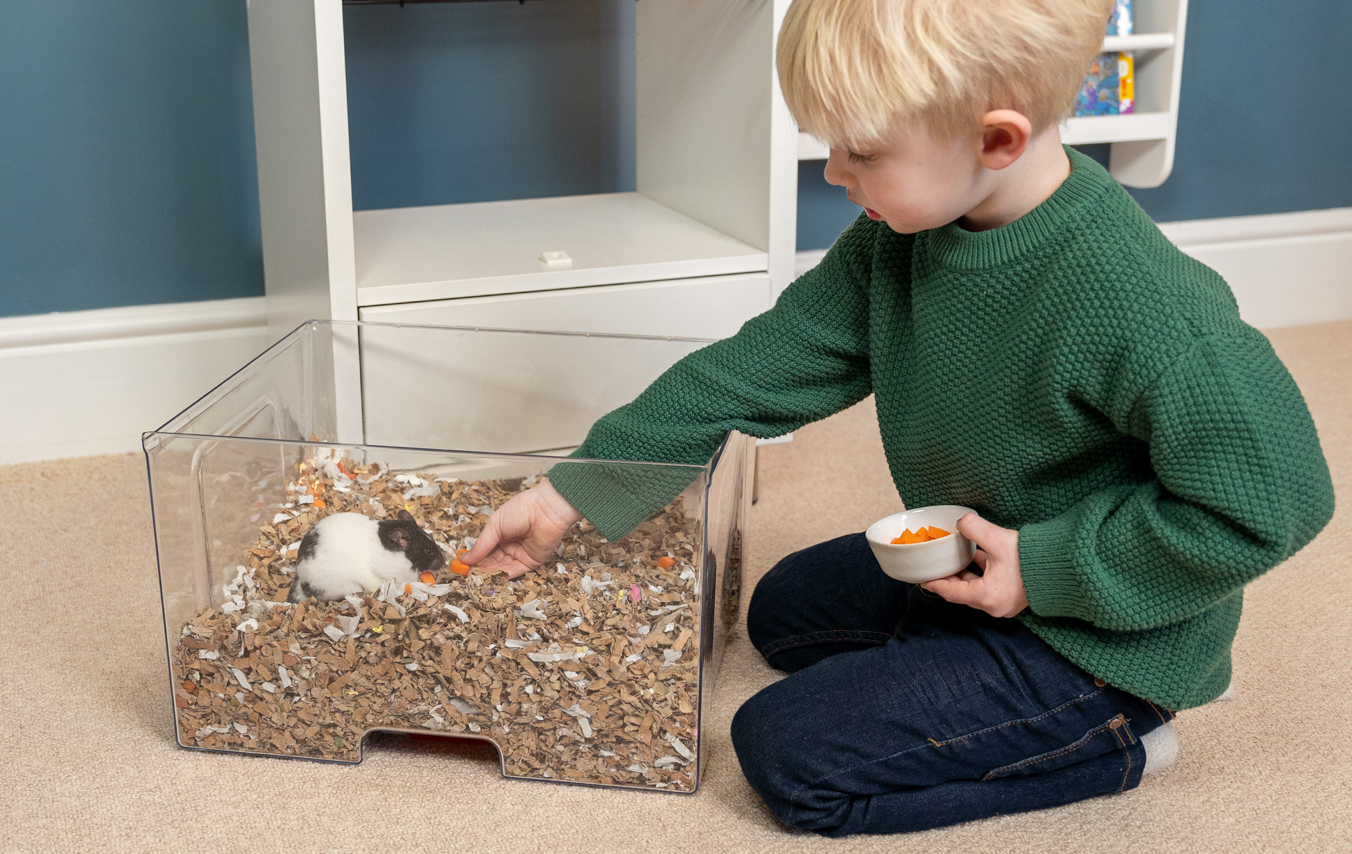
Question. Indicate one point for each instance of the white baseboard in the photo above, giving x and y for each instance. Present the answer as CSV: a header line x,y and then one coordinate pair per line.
x,y
1285,269
90,382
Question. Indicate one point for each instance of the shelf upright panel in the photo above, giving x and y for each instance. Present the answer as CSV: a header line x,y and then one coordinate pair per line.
x,y
1159,76
296,59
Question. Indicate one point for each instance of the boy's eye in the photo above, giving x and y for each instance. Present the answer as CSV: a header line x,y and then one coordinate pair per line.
x,y
856,157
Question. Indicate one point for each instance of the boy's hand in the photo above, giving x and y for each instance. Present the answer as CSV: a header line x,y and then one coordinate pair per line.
x,y
524,532
999,589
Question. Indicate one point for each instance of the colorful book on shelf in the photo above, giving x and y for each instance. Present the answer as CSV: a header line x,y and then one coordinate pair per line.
x,y
1119,22
1109,89
1126,83
1099,93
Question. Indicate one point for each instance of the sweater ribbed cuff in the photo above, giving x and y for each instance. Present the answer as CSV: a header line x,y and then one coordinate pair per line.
x,y
1047,563
617,496
600,497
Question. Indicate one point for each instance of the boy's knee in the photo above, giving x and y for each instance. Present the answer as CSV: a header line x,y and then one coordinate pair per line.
x,y
773,763
767,600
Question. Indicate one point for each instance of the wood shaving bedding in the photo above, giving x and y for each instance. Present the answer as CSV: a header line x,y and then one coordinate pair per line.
x,y
586,669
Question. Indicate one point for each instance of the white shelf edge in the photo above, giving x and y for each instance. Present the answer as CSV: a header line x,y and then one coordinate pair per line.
x,y
1139,41
557,279
1088,130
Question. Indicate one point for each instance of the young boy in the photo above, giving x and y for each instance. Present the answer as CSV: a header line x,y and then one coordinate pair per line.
x,y
1039,352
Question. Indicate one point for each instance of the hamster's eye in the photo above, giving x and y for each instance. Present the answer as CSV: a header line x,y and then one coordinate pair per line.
x,y
427,551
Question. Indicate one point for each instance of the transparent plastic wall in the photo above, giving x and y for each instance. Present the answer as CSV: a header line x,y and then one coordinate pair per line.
x,y
596,668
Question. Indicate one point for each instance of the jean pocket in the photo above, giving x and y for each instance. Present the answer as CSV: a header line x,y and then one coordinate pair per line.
x,y
1112,734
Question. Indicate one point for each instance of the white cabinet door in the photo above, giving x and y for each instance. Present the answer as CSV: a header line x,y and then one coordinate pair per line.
x,y
713,307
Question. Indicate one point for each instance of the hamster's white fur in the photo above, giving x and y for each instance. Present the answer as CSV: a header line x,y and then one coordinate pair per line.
x,y
349,558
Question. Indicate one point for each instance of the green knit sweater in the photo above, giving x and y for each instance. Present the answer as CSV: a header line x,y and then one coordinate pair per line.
x,y
1071,375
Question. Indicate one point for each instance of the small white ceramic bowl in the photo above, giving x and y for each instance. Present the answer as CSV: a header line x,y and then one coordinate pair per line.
x,y
919,562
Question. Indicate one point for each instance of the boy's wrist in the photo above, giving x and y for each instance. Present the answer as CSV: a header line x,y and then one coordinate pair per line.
x,y
560,509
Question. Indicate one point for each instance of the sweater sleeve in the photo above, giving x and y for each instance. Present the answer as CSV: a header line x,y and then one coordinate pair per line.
x,y
799,362
1240,484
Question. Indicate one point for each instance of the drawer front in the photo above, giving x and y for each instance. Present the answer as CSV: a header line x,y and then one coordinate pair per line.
x,y
714,307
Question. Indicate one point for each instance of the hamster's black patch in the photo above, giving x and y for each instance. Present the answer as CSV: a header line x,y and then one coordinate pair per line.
x,y
307,545
300,592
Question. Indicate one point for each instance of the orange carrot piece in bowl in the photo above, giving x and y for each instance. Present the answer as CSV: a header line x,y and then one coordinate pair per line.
x,y
909,537
936,533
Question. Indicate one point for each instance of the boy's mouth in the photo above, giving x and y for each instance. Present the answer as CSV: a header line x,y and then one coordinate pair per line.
x,y
872,214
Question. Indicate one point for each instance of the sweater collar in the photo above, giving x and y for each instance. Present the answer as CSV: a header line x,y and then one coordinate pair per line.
x,y
954,246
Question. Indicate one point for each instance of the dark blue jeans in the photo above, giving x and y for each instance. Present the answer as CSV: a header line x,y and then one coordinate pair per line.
x,y
905,712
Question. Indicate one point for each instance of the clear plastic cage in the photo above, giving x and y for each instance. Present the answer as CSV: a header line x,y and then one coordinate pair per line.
x,y
596,668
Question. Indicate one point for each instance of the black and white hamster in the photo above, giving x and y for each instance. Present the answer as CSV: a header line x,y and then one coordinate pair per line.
x,y
347,553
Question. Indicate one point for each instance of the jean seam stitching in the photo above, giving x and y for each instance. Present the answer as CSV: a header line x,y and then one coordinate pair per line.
x,y
1047,713
1082,741
1163,719
931,742
1126,750
795,641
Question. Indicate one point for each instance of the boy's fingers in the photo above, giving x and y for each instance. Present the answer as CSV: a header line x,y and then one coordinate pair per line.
x,y
976,529
980,558
954,588
488,540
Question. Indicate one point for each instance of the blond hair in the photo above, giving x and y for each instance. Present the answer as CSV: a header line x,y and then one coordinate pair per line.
x,y
852,70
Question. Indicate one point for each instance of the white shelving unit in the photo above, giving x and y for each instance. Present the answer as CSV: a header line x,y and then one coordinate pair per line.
x,y
1143,141
705,242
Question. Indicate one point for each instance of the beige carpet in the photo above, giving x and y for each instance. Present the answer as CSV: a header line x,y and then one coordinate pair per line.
x,y
89,762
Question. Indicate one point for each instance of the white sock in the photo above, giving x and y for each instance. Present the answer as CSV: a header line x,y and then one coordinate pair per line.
x,y
1161,748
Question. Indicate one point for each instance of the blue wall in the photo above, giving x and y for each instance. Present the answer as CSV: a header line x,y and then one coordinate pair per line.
x,y
427,85
127,169
126,142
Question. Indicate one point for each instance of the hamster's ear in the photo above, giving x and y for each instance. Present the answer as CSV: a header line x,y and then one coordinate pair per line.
x,y
406,516
400,537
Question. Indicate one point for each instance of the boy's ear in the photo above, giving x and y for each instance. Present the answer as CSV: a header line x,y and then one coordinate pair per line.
x,y
1005,135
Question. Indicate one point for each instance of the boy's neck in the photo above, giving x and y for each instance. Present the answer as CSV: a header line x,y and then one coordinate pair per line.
x,y
1023,185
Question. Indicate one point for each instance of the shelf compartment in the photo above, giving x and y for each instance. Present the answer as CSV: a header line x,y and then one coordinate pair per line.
x,y
447,251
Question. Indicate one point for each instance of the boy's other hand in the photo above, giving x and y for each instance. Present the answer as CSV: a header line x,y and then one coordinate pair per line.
x,y
524,532
999,589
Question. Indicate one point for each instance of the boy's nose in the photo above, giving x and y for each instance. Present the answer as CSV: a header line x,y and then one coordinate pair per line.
x,y
836,171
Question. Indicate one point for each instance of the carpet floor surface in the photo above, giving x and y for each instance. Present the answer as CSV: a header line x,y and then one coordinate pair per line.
x,y
90,763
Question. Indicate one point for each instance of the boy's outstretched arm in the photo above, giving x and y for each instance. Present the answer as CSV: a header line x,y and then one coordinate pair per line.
x,y
1240,485
799,362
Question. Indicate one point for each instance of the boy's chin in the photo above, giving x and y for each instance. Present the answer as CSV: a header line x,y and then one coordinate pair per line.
x,y
906,227
903,225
